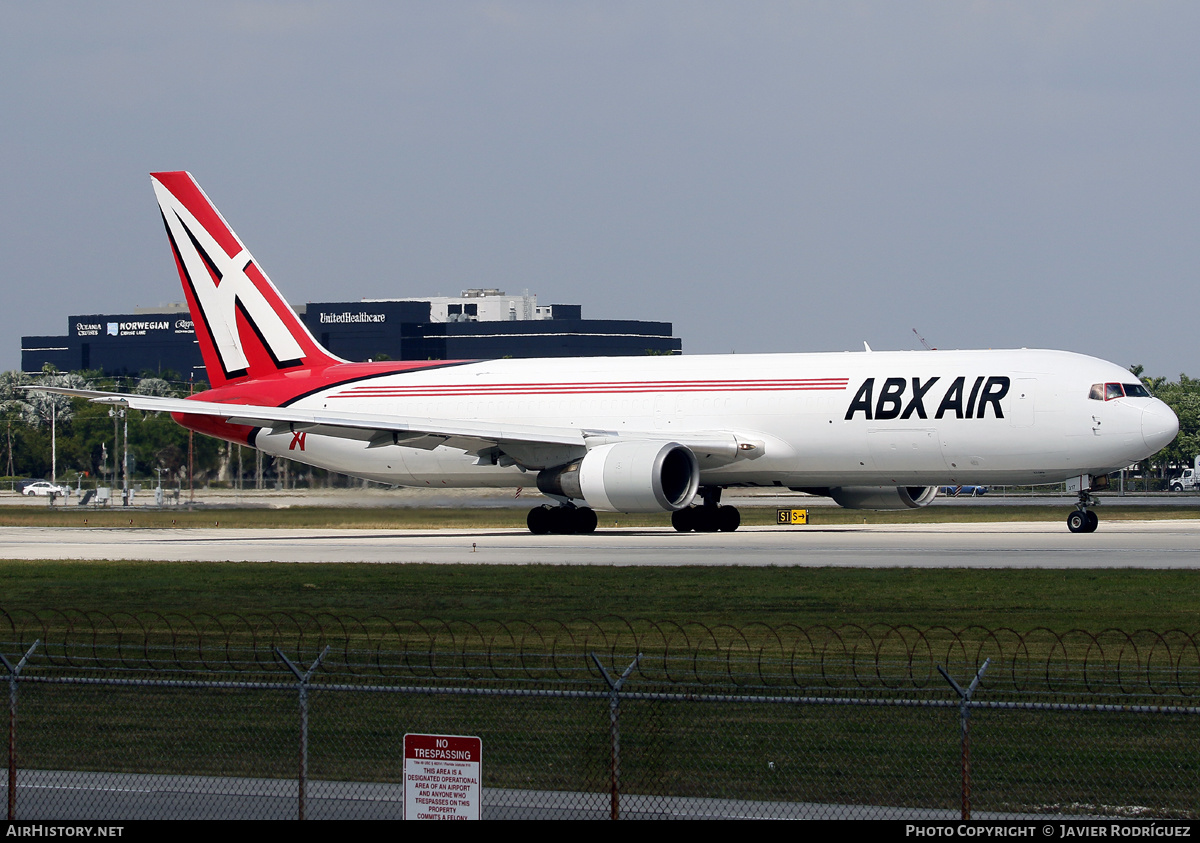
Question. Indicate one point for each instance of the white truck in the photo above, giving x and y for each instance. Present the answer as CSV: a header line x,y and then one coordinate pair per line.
x,y
1189,481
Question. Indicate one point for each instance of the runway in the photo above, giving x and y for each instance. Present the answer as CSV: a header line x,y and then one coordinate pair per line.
x,y
1117,544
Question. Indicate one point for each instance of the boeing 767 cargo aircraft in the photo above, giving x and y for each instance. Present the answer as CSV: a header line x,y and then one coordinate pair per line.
x,y
872,430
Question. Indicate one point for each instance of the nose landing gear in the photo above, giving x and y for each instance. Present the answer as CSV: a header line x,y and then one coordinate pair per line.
x,y
1084,520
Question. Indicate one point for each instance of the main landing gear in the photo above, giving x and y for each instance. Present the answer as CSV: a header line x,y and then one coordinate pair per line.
x,y
1084,520
709,517
565,519
568,519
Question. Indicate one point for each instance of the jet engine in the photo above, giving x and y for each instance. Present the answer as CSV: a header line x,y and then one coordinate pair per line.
x,y
877,497
628,477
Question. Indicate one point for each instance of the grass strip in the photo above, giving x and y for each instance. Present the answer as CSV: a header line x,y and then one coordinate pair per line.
x,y
1060,600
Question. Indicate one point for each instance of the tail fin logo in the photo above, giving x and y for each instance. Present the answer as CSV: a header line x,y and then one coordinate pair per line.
x,y
224,281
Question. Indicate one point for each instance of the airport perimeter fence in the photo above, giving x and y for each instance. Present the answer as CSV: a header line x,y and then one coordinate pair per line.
x,y
281,717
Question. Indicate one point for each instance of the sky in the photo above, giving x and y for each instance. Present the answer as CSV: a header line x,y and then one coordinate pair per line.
x,y
800,176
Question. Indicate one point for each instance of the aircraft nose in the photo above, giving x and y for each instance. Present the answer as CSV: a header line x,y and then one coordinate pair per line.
x,y
1159,426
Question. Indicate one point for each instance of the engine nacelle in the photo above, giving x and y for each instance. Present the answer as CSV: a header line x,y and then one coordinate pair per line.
x,y
628,477
879,497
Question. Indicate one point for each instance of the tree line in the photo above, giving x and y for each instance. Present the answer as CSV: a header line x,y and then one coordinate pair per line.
x,y
1182,396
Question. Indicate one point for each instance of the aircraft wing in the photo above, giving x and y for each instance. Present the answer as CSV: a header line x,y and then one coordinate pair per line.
x,y
531,445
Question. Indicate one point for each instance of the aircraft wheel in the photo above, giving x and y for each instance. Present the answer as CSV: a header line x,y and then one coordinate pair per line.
x,y
706,520
585,520
728,519
1093,521
683,520
539,520
1077,522
562,520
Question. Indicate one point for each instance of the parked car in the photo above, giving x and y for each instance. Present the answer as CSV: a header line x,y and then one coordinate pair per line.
x,y
43,487
963,491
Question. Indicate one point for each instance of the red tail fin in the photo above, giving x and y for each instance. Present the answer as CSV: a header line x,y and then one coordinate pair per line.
x,y
245,328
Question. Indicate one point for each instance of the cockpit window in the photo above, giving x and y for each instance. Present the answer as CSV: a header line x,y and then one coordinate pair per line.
x,y
1109,391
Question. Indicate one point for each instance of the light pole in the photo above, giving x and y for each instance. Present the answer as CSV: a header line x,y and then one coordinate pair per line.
x,y
125,458
124,451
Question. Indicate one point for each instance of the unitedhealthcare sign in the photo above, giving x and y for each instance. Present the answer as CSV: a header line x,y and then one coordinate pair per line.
x,y
346,316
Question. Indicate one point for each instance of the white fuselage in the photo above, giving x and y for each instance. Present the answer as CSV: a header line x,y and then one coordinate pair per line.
x,y
816,420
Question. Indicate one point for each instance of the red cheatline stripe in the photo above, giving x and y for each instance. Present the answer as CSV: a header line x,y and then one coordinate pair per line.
x,y
549,389
632,385
434,390
532,387
671,383
665,384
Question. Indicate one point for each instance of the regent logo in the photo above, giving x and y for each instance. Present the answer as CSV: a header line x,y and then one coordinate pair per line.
x,y
904,398
224,286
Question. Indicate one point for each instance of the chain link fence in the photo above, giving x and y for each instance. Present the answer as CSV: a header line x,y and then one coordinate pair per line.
x,y
202,717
